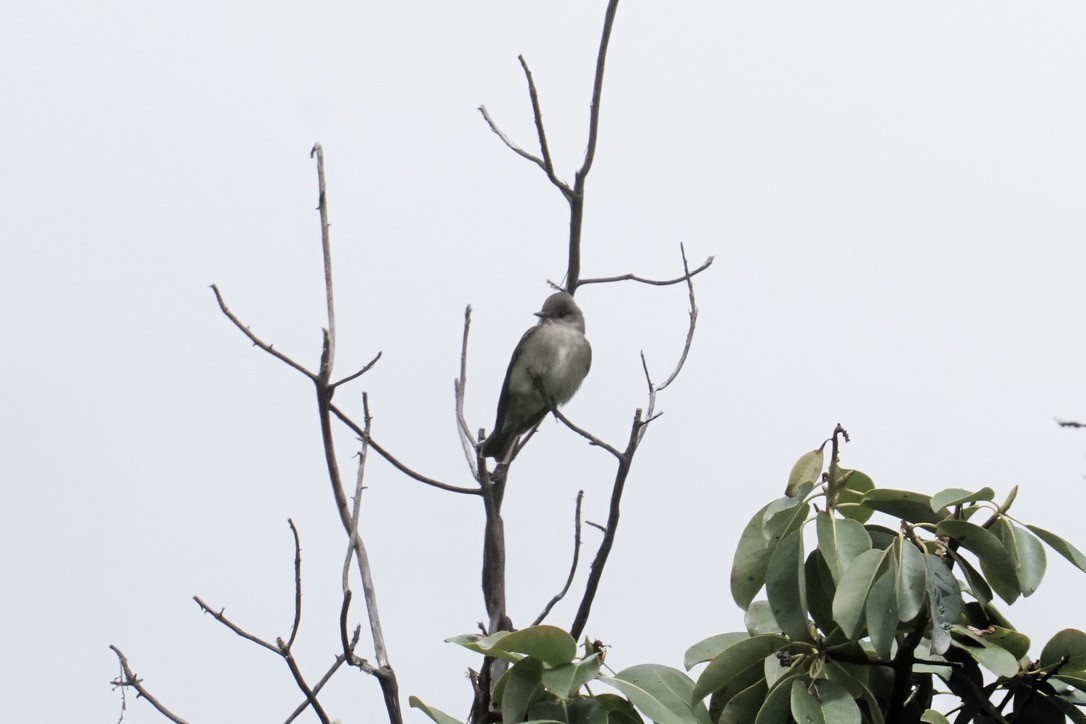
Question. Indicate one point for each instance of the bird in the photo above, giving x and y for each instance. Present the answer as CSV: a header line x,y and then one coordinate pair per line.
x,y
549,363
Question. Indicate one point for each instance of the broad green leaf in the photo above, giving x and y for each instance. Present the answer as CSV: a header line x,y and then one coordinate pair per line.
x,y
995,561
820,591
851,596
923,653
565,680
750,676
750,561
987,653
840,540
578,711
485,645
1070,643
855,486
619,710
1061,546
777,708
808,469
784,522
856,688
933,717
710,648
823,702
523,687
957,496
435,714
743,707
910,581
882,612
734,660
881,536
549,644
1071,711
1014,641
663,694
759,619
904,504
977,585
944,602
1027,554
785,587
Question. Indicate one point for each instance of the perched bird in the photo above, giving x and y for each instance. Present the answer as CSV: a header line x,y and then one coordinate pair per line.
x,y
554,355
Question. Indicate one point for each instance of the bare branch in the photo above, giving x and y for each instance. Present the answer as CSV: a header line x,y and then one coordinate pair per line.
x,y
130,679
221,618
573,567
654,282
310,696
395,462
297,585
460,386
326,248
690,330
537,114
586,434
597,91
1069,423
595,573
319,685
357,374
255,340
509,143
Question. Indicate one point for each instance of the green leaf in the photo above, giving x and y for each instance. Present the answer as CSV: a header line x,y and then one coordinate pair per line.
x,y
1061,546
995,561
849,497
840,540
485,645
1014,641
578,711
783,522
957,496
777,708
734,660
743,707
820,591
619,710
852,591
823,701
549,644
944,602
933,717
663,694
759,619
750,561
435,714
808,469
1027,554
785,587
977,585
881,536
882,612
1070,643
566,679
708,649
904,504
910,579
523,687
987,653
856,688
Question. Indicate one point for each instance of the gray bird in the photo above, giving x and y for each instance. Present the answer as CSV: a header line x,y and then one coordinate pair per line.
x,y
553,354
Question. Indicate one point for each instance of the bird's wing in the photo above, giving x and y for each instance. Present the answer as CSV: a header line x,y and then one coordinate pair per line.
x,y
503,398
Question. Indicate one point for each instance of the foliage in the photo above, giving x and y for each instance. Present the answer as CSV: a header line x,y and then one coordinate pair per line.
x,y
861,622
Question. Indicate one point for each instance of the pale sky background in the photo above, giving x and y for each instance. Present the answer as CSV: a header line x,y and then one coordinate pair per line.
x,y
893,193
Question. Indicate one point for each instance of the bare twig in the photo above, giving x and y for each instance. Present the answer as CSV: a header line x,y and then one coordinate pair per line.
x,y
537,114
508,142
130,679
585,433
460,386
654,282
359,373
221,618
255,340
297,585
310,696
573,566
596,571
326,249
340,659
394,461
1069,423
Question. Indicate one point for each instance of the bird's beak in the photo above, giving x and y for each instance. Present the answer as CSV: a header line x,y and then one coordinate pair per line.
x,y
538,314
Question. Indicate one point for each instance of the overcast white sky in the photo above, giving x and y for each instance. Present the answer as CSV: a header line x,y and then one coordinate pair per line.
x,y
893,193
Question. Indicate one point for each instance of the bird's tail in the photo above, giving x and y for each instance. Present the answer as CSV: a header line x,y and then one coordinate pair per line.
x,y
499,444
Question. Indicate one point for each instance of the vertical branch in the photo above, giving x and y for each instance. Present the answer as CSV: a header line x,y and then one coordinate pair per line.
x,y
326,248
576,200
